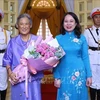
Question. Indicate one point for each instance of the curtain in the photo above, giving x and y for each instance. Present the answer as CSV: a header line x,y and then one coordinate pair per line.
x,y
36,21
43,13
69,5
20,5
53,22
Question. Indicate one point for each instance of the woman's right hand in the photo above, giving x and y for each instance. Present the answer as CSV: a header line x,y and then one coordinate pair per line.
x,y
57,83
12,75
13,78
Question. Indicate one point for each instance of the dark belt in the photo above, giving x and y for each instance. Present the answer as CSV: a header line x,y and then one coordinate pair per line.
x,y
94,48
2,51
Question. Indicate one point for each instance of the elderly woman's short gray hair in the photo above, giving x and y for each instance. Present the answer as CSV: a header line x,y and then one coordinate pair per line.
x,y
22,16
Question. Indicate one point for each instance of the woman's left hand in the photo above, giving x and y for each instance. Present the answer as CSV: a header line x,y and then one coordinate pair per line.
x,y
89,81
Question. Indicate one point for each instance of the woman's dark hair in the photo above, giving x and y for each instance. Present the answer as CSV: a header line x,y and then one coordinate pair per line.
x,y
77,28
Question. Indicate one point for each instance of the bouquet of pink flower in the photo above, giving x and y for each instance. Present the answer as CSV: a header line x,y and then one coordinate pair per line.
x,y
43,54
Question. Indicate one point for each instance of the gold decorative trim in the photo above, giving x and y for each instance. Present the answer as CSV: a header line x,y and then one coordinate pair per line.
x,y
47,79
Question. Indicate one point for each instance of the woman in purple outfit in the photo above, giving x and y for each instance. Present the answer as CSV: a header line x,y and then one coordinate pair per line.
x,y
11,59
